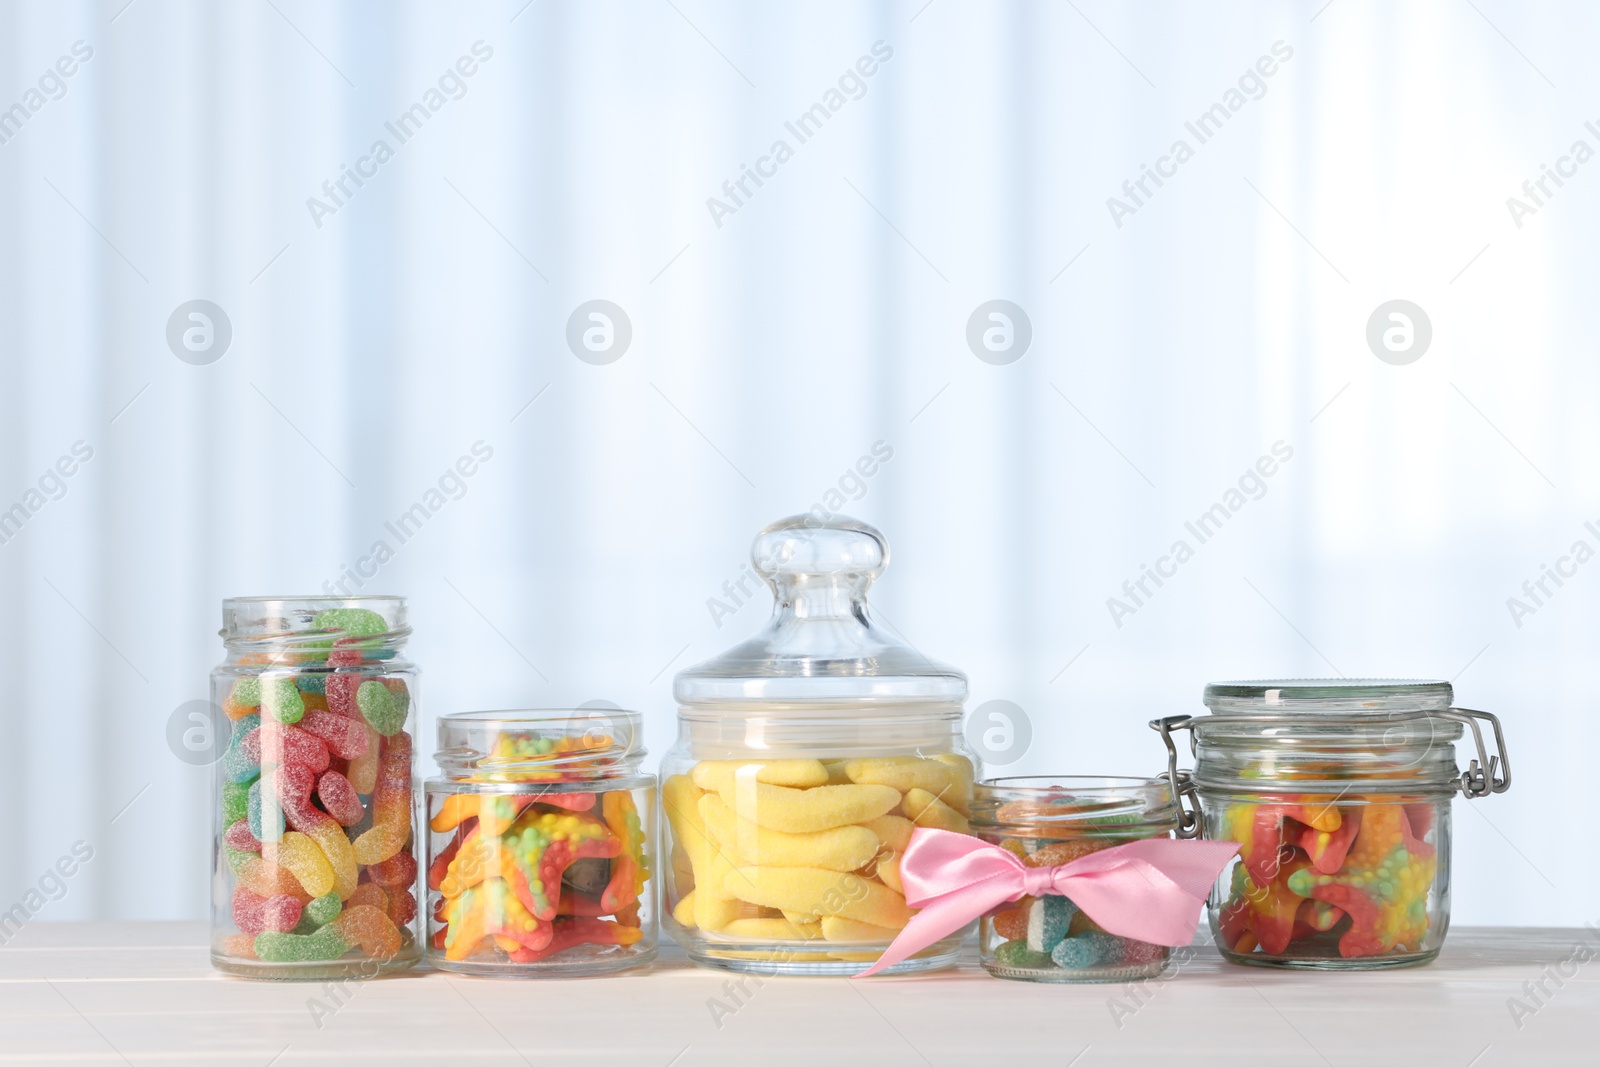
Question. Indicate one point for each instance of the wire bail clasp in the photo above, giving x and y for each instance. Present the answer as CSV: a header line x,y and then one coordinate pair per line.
x,y
1184,793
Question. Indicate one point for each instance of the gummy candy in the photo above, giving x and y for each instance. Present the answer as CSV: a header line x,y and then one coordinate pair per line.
x,y
235,802
1018,954
304,858
324,909
1049,918
238,836
391,804
1089,949
254,913
277,744
344,737
363,770
383,707
340,799
263,812
340,691
280,699
398,870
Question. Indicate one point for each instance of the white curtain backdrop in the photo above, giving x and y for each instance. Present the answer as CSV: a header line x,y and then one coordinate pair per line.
x,y
378,336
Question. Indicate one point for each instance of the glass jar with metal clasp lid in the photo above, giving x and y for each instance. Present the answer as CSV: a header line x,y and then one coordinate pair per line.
x,y
1338,794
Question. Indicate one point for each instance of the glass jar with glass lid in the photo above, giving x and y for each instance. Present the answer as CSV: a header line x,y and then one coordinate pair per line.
x,y
1338,794
805,758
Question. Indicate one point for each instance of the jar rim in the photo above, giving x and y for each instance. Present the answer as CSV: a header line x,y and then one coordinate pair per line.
x,y
1115,804
529,743
1329,696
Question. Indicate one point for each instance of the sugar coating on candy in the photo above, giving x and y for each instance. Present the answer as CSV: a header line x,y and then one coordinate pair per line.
x,y
324,944
1049,919
384,709
838,928
391,804
344,737
278,744
246,691
311,682
1016,954
402,905
717,775
1135,953
263,812
339,797
281,913
1089,949
324,909
280,699
304,858
1012,924
928,811
235,802
839,848
821,892
369,929
358,622
330,837
903,773
894,831
340,692
238,836
800,811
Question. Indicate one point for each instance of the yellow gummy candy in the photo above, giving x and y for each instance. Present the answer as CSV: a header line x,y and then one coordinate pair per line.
x,y
836,775
811,889
304,859
774,929
341,855
713,908
960,794
714,775
903,773
929,811
803,811
842,848
894,831
801,918
684,912
889,872
838,928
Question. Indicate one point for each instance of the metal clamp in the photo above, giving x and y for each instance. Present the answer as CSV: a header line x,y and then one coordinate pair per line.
x,y
1488,773
1180,782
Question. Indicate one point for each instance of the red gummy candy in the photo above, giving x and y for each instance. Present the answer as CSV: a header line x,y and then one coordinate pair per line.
x,y
341,693
255,914
398,870
273,742
441,863
238,836
345,737
339,797
402,906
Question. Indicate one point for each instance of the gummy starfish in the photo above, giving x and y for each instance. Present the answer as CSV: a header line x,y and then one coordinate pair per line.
x,y
491,909
531,856
1383,887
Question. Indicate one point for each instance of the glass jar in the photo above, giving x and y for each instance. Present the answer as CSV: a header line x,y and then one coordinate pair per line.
x,y
541,844
1338,794
1046,822
313,869
805,757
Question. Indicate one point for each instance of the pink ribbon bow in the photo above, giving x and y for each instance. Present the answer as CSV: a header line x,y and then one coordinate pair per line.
x,y
1149,890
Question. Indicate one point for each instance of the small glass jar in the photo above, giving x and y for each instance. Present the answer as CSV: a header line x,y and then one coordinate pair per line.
x,y
313,870
541,844
805,758
1338,794
1046,822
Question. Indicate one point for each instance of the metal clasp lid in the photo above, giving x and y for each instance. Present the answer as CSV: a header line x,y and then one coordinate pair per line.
x,y
1488,773
1184,793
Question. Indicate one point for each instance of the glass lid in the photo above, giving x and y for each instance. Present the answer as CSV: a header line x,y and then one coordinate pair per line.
x,y
1350,696
821,646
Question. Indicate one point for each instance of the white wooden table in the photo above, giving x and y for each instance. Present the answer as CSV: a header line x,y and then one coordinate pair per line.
x,y
112,993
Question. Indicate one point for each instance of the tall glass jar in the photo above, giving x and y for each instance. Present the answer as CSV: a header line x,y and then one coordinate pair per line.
x,y
313,870
541,844
1047,822
1338,794
805,758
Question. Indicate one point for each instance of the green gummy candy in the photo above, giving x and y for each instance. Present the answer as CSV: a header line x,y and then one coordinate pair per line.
x,y
324,909
235,859
247,691
1010,954
384,710
235,802
325,944
355,622
281,700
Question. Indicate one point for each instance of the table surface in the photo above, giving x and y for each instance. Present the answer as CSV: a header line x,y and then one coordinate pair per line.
x,y
146,993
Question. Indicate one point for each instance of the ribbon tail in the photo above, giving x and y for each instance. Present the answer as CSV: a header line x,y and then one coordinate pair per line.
x,y
938,918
